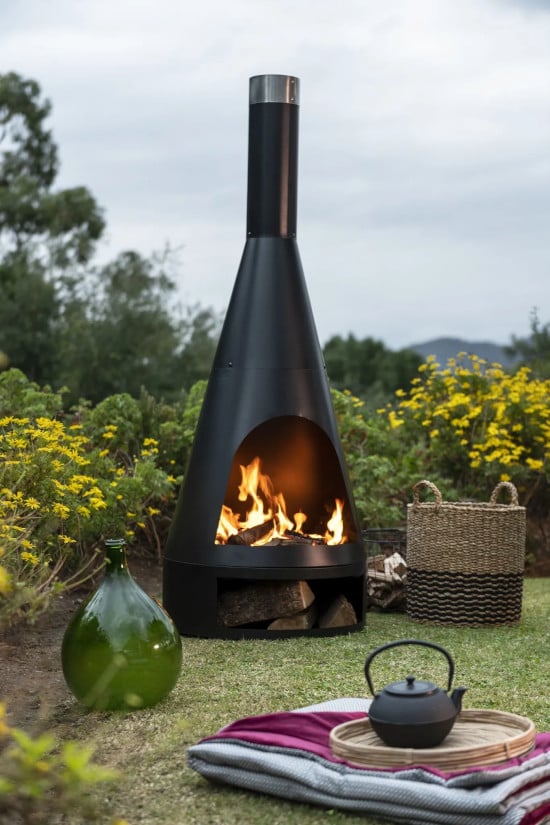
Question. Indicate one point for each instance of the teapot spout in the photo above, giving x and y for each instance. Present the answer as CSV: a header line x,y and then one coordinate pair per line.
x,y
456,697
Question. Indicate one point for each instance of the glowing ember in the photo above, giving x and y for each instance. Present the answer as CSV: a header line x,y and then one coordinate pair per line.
x,y
268,511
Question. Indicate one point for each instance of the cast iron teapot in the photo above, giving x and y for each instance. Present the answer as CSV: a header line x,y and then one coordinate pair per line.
x,y
413,713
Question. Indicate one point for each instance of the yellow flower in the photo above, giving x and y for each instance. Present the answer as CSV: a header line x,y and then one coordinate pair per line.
x,y
30,557
150,442
32,503
394,421
5,588
61,510
534,463
28,545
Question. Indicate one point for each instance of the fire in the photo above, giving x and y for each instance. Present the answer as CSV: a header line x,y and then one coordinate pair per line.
x,y
268,513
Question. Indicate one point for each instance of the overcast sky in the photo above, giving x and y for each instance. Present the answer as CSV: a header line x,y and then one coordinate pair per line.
x,y
424,170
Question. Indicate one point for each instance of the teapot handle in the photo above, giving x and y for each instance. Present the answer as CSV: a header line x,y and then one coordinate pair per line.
x,y
378,650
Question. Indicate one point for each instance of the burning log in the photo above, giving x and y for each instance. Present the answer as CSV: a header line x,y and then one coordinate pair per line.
x,y
263,600
291,537
251,534
386,582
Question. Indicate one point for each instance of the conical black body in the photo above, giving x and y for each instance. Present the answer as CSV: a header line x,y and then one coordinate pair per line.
x,y
268,396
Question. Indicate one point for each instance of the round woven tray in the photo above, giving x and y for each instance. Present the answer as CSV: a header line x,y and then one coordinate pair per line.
x,y
478,737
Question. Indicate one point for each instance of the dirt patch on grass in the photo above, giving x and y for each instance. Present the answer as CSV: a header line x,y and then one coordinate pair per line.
x,y
31,678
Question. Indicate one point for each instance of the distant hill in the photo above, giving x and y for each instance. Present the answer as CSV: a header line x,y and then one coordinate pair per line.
x,y
445,348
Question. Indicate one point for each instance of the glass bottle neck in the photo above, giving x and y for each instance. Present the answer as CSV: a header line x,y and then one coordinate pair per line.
x,y
115,557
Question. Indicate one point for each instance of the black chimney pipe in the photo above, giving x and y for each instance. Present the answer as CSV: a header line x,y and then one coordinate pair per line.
x,y
273,156
267,389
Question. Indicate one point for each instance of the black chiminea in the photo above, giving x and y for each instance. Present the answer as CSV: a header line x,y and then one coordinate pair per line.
x,y
267,427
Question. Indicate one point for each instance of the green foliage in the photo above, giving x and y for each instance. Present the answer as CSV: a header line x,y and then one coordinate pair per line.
x,y
40,778
22,397
29,315
116,423
367,368
382,464
533,352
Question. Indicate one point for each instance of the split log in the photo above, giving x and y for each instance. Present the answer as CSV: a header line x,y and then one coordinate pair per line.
x,y
263,600
339,613
304,620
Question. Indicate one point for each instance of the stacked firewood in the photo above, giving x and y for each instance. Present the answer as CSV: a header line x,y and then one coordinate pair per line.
x,y
386,581
282,605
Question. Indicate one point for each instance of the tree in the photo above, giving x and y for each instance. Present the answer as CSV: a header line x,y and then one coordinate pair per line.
x,y
367,368
533,352
99,330
120,333
46,236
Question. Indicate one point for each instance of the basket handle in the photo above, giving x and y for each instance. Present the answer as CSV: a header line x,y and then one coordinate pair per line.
x,y
435,490
505,485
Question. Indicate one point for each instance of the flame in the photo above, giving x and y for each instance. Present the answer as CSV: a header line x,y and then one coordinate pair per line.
x,y
268,508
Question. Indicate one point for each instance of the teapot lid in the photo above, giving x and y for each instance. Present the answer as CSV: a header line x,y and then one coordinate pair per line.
x,y
411,687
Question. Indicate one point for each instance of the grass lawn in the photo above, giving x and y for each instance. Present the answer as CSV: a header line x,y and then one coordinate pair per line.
x,y
505,668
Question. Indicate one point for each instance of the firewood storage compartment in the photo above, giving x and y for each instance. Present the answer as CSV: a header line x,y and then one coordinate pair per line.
x,y
265,540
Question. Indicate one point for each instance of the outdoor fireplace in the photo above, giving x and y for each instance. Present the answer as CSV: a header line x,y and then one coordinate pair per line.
x,y
265,540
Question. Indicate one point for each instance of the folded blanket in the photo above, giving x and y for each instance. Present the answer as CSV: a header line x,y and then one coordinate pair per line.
x,y
288,755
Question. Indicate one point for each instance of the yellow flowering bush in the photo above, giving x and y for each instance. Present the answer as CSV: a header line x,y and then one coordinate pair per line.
x,y
480,425
60,495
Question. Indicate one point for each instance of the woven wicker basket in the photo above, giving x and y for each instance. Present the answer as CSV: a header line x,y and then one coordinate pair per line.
x,y
479,737
465,559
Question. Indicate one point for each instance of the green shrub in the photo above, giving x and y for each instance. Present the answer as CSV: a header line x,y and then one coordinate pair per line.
x,y
382,464
40,778
21,397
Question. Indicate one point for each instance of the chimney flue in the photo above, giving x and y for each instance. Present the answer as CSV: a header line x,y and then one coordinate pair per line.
x,y
273,156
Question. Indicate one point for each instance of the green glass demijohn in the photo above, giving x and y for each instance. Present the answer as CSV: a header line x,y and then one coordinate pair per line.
x,y
121,650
